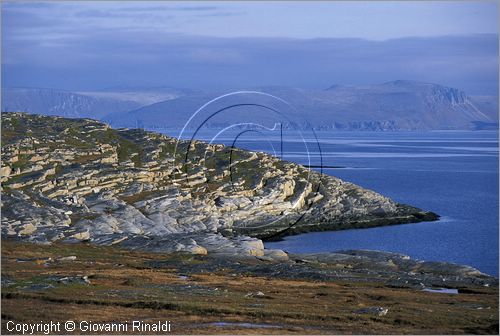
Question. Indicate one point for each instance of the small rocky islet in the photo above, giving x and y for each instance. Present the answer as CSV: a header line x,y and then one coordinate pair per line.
x,y
85,193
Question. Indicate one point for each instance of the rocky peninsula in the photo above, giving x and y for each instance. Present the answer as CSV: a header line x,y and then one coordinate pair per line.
x,y
80,180
135,222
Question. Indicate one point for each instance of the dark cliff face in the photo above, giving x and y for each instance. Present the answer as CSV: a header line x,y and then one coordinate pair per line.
x,y
428,91
407,105
452,96
79,179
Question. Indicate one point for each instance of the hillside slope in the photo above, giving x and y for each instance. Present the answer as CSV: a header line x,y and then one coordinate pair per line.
x,y
79,179
398,105
62,103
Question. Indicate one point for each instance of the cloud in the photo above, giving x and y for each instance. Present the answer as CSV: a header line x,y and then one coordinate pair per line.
x,y
138,11
197,8
222,14
219,56
29,5
96,13
72,45
117,57
167,8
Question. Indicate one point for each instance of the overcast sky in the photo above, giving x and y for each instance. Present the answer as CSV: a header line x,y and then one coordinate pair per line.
x,y
92,45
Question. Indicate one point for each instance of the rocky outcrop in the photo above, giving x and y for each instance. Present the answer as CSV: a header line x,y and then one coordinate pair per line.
x,y
78,179
349,266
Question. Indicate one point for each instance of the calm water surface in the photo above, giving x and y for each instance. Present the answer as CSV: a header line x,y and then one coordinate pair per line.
x,y
454,174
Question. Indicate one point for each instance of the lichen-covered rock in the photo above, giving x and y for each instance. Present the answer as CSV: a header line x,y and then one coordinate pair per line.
x,y
78,179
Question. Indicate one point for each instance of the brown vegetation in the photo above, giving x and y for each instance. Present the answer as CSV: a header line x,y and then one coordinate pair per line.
x,y
123,288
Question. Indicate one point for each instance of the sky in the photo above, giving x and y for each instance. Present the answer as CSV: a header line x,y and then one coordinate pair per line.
x,y
87,45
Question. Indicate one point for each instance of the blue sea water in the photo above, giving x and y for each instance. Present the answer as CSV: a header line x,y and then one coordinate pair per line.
x,y
452,173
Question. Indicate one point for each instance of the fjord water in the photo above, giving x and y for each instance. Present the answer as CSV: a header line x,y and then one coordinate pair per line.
x,y
452,173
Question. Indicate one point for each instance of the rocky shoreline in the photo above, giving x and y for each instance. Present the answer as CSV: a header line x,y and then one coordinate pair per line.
x,y
77,180
70,180
119,223
385,268
414,216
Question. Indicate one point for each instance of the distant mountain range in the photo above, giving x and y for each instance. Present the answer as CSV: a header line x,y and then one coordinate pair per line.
x,y
141,96
396,105
62,103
